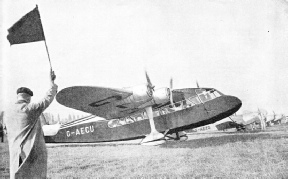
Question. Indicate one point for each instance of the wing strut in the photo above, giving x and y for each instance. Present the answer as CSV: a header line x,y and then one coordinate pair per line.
x,y
155,137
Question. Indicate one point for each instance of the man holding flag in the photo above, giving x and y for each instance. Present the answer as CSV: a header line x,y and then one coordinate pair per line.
x,y
27,148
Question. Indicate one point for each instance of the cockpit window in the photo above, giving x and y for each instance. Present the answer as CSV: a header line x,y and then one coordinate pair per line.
x,y
193,100
205,96
216,93
199,91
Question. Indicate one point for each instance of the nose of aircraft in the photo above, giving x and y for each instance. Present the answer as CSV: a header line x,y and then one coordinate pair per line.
x,y
232,103
224,106
220,108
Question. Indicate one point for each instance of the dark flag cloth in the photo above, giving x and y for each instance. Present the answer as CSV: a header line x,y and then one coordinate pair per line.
x,y
27,29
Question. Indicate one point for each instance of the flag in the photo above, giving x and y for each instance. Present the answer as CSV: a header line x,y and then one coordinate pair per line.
x,y
27,29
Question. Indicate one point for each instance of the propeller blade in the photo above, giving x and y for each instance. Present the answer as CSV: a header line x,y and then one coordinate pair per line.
x,y
197,84
171,94
149,81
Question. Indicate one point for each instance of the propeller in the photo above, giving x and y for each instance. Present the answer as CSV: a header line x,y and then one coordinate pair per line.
x,y
149,83
170,90
197,84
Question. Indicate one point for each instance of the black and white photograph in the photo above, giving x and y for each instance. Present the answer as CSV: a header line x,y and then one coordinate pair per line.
x,y
144,89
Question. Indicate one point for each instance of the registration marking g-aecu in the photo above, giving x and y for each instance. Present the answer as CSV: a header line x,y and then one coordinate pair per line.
x,y
80,131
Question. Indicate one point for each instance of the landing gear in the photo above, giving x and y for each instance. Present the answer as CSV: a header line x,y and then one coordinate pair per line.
x,y
155,137
181,136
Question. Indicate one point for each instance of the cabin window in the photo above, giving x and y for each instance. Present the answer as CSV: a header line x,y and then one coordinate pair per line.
x,y
170,108
155,113
163,111
194,100
184,104
113,123
122,121
177,104
217,94
129,120
137,117
205,97
145,115
208,96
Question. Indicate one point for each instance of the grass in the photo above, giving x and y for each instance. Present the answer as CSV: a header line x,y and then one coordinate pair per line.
x,y
219,155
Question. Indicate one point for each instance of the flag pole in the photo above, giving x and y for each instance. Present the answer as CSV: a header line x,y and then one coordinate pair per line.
x,y
48,54
45,40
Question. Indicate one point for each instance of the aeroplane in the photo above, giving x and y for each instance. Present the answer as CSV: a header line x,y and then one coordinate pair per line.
x,y
222,125
273,118
247,120
279,118
139,112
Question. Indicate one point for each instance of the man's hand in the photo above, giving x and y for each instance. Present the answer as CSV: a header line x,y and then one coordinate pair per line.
x,y
52,75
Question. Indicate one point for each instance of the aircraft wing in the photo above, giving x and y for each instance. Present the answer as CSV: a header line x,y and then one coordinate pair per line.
x,y
99,101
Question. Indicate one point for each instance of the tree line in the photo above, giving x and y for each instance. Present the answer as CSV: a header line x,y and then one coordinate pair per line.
x,y
49,118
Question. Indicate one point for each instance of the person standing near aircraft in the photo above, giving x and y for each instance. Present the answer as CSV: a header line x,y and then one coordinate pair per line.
x,y
263,122
262,116
27,149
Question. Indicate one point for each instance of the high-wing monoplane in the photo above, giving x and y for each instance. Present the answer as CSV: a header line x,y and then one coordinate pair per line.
x,y
139,112
247,120
274,118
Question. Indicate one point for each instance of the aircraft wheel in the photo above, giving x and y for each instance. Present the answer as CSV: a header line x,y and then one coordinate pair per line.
x,y
183,138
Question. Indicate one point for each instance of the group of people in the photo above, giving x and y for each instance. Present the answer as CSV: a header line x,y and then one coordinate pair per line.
x,y
27,149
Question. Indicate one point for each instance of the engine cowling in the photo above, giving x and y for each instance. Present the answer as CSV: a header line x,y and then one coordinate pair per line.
x,y
161,95
141,93
143,96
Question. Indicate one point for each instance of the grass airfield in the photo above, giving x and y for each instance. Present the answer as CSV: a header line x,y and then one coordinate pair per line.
x,y
252,154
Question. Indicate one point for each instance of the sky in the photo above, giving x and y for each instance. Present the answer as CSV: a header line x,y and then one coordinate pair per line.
x,y
237,47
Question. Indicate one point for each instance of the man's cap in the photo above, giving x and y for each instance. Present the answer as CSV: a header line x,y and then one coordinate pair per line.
x,y
25,90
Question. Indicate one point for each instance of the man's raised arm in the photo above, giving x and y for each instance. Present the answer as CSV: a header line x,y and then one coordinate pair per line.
x,y
47,100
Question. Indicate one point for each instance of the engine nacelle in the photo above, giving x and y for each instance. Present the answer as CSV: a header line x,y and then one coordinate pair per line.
x,y
143,96
141,93
161,95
